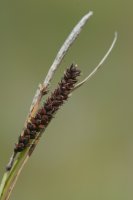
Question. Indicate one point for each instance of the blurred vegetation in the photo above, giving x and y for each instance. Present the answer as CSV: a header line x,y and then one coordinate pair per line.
x,y
87,151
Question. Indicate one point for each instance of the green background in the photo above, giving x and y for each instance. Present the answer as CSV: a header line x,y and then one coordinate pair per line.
x,y
87,151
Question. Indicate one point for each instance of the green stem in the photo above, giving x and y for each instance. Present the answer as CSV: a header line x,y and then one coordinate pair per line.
x,y
10,176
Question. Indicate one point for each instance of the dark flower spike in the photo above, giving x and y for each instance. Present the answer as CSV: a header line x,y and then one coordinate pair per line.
x,y
47,111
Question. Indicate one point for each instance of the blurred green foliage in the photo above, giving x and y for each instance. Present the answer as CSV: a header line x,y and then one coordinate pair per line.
x,y
87,151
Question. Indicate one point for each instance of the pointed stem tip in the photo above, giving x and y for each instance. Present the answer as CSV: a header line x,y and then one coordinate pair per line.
x,y
100,63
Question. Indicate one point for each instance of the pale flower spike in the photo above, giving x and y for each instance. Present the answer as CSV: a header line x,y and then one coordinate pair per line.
x,y
65,47
99,65
60,55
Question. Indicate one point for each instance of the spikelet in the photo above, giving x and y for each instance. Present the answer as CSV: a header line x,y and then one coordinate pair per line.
x,y
47,111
